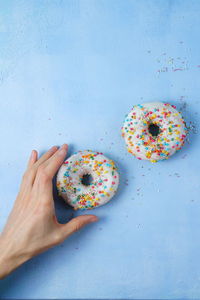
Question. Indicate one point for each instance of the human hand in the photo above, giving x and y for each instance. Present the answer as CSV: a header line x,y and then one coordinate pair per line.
x,y
32,226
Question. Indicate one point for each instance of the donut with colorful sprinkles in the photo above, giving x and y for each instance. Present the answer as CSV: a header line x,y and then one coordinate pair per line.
x,y
87,180
154,131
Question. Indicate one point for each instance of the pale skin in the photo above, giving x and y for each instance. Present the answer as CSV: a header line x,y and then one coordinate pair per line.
x,y
32,226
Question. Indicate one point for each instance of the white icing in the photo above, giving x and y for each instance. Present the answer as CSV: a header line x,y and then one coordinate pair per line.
x,y
141,143
102,188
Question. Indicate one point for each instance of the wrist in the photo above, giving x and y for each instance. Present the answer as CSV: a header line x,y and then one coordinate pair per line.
x,y
10,258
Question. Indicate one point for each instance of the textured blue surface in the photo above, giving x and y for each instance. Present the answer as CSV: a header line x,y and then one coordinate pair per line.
x,y
69,72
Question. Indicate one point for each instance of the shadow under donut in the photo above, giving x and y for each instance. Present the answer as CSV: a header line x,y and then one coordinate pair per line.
x,y
64,212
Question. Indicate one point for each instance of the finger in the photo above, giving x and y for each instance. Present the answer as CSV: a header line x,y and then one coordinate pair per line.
x,y
33,158
46,156
53,163
76,224
30,174
47,170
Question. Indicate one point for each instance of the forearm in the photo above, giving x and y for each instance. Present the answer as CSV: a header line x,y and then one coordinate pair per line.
x,y
9,258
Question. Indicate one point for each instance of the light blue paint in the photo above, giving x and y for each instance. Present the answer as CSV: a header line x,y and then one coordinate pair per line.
x,y
69,72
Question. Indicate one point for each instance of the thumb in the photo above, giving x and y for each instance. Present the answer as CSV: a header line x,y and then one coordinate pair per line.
x,y
76,224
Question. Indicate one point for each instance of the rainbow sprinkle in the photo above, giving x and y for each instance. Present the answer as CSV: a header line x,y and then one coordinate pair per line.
x,y
99,191
141,143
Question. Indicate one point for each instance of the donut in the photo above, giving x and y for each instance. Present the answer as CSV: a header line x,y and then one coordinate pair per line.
x,y
154,131
87,180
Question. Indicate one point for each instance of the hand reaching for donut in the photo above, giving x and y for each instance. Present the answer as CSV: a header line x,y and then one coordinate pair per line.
x,y
32,226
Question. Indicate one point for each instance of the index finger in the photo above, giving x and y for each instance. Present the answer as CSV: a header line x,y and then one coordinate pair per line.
x,y
52,165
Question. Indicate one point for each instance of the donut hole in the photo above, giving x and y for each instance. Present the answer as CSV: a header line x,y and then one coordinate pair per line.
x,y
154,129
87,179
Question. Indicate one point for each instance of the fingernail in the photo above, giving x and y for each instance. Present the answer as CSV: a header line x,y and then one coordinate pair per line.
x,y
62,151
32,153
93,219
64,146
53,148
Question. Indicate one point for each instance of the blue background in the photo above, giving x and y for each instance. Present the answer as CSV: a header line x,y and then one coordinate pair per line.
x,y
69,72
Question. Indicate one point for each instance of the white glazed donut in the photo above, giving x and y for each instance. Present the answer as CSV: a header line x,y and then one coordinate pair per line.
x,y
87,179
154,131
